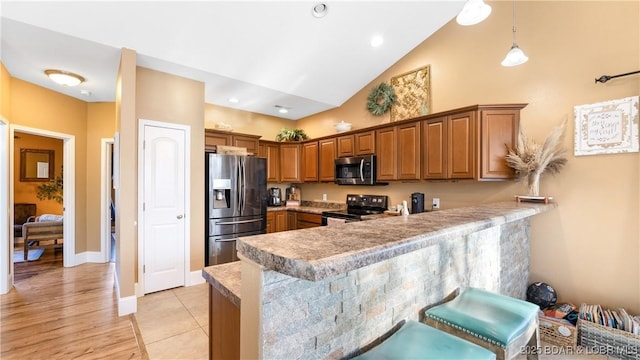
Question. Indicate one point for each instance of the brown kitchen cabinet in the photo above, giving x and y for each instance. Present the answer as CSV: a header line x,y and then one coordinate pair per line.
x,y
470,143
345,145
224,327
212,138
276,221
290,161
398,152
292,220
310,161
364,142
308,220
271,222
270,150
326,159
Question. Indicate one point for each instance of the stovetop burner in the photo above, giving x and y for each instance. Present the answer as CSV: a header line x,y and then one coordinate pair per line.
x,y
359,205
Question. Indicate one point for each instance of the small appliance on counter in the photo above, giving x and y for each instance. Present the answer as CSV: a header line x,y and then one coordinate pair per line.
x,y
417,203
274,197
293,195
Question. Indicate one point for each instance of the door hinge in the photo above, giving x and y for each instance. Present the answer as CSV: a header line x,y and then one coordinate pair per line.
x,y
144,206
144,269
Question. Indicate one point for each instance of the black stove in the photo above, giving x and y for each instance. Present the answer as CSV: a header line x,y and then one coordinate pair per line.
x,y
357,206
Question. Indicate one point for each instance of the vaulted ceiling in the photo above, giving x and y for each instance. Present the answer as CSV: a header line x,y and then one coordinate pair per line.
x,y
262,53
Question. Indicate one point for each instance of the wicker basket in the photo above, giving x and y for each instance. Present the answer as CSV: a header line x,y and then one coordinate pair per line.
x,y
558,332
605,340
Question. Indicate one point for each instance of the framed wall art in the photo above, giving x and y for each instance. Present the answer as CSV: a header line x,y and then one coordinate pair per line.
x,y
608,127
413,94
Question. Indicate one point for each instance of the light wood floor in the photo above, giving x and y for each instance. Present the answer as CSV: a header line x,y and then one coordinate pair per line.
x,y
66,313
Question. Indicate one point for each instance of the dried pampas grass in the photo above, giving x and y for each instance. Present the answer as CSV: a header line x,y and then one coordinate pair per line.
x,y
530,160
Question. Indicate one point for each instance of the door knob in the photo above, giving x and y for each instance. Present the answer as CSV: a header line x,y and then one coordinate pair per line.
x,y
179,216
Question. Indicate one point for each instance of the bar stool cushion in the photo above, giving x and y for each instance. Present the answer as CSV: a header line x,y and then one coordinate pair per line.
x,y
495,318
415,340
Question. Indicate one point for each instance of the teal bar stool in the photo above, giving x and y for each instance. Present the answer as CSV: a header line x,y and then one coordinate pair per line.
x,y
496,322
415,340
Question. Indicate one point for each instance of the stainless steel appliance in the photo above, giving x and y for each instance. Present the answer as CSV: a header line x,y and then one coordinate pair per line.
x,y
275,197
236,203
357,207
356,170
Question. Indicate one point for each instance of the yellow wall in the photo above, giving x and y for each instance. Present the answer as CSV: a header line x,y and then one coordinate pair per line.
x,y
588,248
245,122
26,191
100,124
172,99
5,92
43,109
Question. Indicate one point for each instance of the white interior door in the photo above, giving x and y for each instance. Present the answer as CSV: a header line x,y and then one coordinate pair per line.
x,y
163,208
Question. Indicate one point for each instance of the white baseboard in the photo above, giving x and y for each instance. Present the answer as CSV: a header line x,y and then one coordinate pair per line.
x,y
88,257
127,305
195,278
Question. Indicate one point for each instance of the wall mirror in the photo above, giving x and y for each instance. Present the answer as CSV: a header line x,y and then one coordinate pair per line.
x,y
36,165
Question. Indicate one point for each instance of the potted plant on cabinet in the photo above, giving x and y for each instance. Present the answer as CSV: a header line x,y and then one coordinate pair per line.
x,y
291,135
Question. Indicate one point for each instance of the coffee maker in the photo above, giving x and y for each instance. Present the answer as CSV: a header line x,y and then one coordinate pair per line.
x,y
417,203
274,196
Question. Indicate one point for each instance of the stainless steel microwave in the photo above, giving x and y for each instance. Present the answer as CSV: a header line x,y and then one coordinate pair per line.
x,y
356,170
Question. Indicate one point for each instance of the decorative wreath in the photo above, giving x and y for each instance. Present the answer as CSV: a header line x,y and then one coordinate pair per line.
x,y
380,99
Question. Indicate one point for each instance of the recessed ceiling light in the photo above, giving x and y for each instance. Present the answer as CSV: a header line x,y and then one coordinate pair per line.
x,y
233,100
282,109
319,10
64,78
377,40
85,92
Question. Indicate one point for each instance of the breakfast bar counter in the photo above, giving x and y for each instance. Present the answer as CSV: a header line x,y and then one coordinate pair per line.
x,y
325,292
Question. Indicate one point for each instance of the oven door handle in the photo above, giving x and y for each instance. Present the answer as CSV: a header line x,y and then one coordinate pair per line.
x,y
362,170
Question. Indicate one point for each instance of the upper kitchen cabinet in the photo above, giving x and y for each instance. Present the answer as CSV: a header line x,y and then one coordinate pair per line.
x,y
398,152
290,161
310,161
270,150
365,142
470,143
345,145
212,138
326,159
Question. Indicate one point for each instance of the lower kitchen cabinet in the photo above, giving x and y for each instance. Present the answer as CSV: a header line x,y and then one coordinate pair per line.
x,y
276,221
307,220
292,220
224,327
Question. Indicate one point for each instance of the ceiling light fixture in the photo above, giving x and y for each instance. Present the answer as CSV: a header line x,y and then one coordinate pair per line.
x,y
64,78
515,56
319,10
376,41
473,12
282,109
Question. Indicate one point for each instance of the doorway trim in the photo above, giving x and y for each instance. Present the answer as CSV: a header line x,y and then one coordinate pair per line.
x,y
6,246
105,186
187,199
69,178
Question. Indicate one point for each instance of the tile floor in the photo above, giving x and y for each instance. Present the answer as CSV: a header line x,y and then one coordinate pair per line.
x,y
175,323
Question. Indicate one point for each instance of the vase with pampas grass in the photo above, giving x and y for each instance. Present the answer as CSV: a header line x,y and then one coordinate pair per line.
x,y
530,160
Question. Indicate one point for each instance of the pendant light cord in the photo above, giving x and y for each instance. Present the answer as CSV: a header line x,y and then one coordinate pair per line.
x,y
513,10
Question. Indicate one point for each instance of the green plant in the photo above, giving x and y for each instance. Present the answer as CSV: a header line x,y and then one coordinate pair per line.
x,y
380,99
291,135
52,190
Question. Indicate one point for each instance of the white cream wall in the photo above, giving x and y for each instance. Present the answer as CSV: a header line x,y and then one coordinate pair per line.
x,y
588,247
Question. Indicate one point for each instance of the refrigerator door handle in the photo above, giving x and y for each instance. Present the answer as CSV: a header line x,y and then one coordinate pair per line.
x,y
238,222
224,240
242,187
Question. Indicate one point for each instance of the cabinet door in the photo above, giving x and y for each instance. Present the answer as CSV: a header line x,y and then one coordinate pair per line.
x,y
310,161
306,220
292,220
214,138
290,162
271,222
345,145
280,221
461,146
386,153
326,160
249,142
408,144
499,129
365,143
272,152
434,145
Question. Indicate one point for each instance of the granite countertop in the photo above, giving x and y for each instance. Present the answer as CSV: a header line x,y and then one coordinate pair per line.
x,y
226,279
316,253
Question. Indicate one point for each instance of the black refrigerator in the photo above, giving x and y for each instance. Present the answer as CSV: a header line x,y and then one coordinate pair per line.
x,y
236,203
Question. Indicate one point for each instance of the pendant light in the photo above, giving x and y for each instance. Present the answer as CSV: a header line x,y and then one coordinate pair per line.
x,y
515,56
473,12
